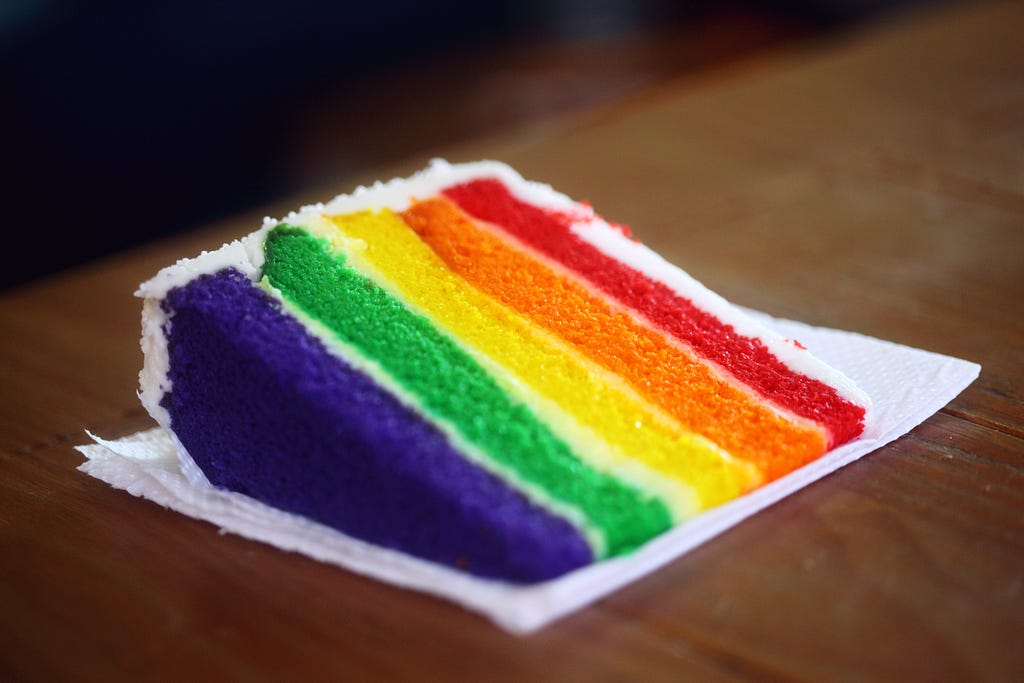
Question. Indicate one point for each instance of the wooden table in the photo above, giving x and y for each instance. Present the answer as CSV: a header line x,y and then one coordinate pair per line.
x,y
874,184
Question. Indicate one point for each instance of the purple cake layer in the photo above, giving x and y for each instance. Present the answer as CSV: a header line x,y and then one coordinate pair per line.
x,y
251,387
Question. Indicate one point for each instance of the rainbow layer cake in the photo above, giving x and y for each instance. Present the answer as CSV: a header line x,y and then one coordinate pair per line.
x,y
475,370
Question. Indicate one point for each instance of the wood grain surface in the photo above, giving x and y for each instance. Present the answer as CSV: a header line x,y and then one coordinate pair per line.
x,y
873,184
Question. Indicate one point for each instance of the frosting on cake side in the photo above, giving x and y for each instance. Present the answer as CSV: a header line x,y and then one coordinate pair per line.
x,y
476,370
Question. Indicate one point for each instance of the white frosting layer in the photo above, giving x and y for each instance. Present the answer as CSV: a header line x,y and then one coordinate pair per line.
x,y
246,255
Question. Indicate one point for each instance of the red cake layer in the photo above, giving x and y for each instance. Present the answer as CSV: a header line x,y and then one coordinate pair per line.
x,y
746,358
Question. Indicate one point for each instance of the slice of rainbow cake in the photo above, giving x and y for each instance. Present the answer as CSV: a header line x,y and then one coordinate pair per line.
x,y
475,370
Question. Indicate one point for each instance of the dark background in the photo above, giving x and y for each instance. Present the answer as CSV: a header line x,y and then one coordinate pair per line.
x,y
127,121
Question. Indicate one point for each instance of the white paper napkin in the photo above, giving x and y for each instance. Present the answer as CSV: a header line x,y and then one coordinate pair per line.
x,y
906,385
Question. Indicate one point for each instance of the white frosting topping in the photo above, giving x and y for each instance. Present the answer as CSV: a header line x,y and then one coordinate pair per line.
x,y
246,255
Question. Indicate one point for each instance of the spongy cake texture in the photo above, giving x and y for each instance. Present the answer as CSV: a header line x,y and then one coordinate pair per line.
x,y
477,371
